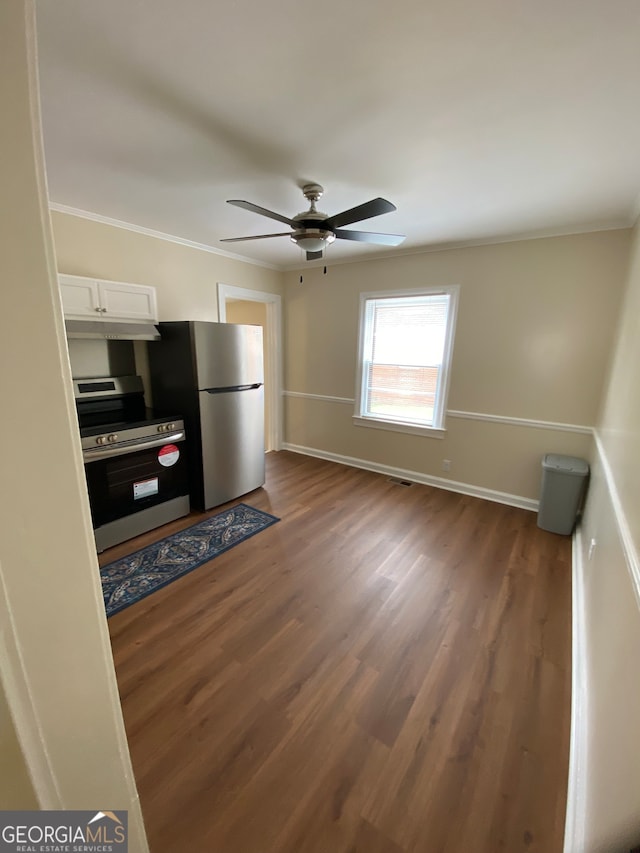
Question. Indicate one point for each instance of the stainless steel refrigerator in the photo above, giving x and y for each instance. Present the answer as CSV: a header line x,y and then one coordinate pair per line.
x,y
212,374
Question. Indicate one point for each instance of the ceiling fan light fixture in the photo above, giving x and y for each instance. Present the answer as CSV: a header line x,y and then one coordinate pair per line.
x,y
312,240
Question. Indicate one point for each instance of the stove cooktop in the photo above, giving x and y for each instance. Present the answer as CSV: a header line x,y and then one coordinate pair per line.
x,y
150,419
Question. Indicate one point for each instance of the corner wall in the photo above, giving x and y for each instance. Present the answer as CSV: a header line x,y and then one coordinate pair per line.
x,y
56,668
604,791
536,323
16,790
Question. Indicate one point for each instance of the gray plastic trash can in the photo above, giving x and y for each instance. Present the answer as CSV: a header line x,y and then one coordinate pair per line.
x,y
564,479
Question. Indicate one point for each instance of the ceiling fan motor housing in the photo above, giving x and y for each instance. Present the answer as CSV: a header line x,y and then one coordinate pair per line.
x,y
309,237
309,218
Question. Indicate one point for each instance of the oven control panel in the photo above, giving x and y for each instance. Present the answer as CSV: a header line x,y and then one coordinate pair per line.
x,y
131,439
104,439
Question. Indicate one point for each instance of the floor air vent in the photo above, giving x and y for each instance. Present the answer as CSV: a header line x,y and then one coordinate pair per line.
x,y
400,482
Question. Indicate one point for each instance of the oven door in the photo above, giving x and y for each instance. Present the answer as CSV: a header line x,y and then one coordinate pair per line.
x,y
124,484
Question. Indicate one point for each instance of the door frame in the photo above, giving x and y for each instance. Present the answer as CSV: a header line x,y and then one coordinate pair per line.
x,y
273,340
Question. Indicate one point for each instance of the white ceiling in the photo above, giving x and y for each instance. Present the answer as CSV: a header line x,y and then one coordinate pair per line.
x,y
479,119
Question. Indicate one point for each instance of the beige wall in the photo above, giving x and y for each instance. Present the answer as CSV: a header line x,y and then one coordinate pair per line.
x,y
245,311
16,790
536,321
607,792
185,277
253,314
56,667
619,426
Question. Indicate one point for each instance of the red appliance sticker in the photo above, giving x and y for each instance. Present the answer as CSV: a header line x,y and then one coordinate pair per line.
x,y
168,455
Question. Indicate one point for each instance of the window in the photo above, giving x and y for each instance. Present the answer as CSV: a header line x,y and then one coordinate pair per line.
x,y
406,341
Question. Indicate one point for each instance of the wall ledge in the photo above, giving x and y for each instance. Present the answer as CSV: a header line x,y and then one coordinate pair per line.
x,y
326,397
524,422
418,477
582,429
628,545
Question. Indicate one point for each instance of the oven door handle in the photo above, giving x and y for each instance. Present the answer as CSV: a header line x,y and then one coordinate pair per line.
x,y
93,454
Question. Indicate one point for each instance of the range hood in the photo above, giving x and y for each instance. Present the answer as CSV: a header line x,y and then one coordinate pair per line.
x,y
111,331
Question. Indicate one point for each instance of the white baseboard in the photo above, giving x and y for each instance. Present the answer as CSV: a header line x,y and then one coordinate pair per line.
x,y
576,814
418,477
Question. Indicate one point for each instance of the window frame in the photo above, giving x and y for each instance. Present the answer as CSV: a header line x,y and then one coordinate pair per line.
x,y
360,418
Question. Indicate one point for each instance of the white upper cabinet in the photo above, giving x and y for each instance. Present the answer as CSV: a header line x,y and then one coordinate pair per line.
x,y
84,298
127,301
79,297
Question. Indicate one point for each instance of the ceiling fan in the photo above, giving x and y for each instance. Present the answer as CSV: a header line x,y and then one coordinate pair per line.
x,y
313,230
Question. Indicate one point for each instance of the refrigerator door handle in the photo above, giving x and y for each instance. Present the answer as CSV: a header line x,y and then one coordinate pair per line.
x,y
229,388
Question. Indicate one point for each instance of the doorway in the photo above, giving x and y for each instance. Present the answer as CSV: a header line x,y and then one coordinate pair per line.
x,y
240,305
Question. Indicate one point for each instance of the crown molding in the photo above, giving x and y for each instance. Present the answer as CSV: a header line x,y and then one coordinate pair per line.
x,y
159,235
618,225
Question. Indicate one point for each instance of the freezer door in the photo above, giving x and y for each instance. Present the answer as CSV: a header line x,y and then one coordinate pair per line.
x,y
227,355
232,428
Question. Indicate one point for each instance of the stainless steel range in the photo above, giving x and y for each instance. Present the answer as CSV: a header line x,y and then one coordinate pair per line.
x,y
135,461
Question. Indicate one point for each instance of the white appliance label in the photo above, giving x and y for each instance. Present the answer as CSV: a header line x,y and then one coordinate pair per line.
x,y
145,488
168,455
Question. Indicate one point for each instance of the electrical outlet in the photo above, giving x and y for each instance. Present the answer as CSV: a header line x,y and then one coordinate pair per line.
x,y
446,464
592,548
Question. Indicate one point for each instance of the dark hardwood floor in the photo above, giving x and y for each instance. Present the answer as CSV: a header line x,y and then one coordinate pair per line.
x,y
387,669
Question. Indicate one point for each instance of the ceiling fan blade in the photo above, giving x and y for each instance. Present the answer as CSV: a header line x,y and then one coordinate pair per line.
x,y
254,208
256,237
371,237
312,256
375,207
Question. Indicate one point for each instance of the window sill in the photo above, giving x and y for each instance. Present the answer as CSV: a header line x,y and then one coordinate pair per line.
x,y
398,426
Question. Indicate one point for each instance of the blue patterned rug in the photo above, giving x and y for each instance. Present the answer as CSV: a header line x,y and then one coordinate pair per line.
x,y
131,578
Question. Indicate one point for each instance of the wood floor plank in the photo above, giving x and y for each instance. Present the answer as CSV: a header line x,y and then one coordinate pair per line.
x,y
386,670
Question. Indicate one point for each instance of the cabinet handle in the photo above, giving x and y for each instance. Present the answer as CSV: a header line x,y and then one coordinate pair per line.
x,y
98,309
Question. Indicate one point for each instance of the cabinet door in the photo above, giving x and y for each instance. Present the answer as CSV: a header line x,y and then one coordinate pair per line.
x,y
127,301
79,297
